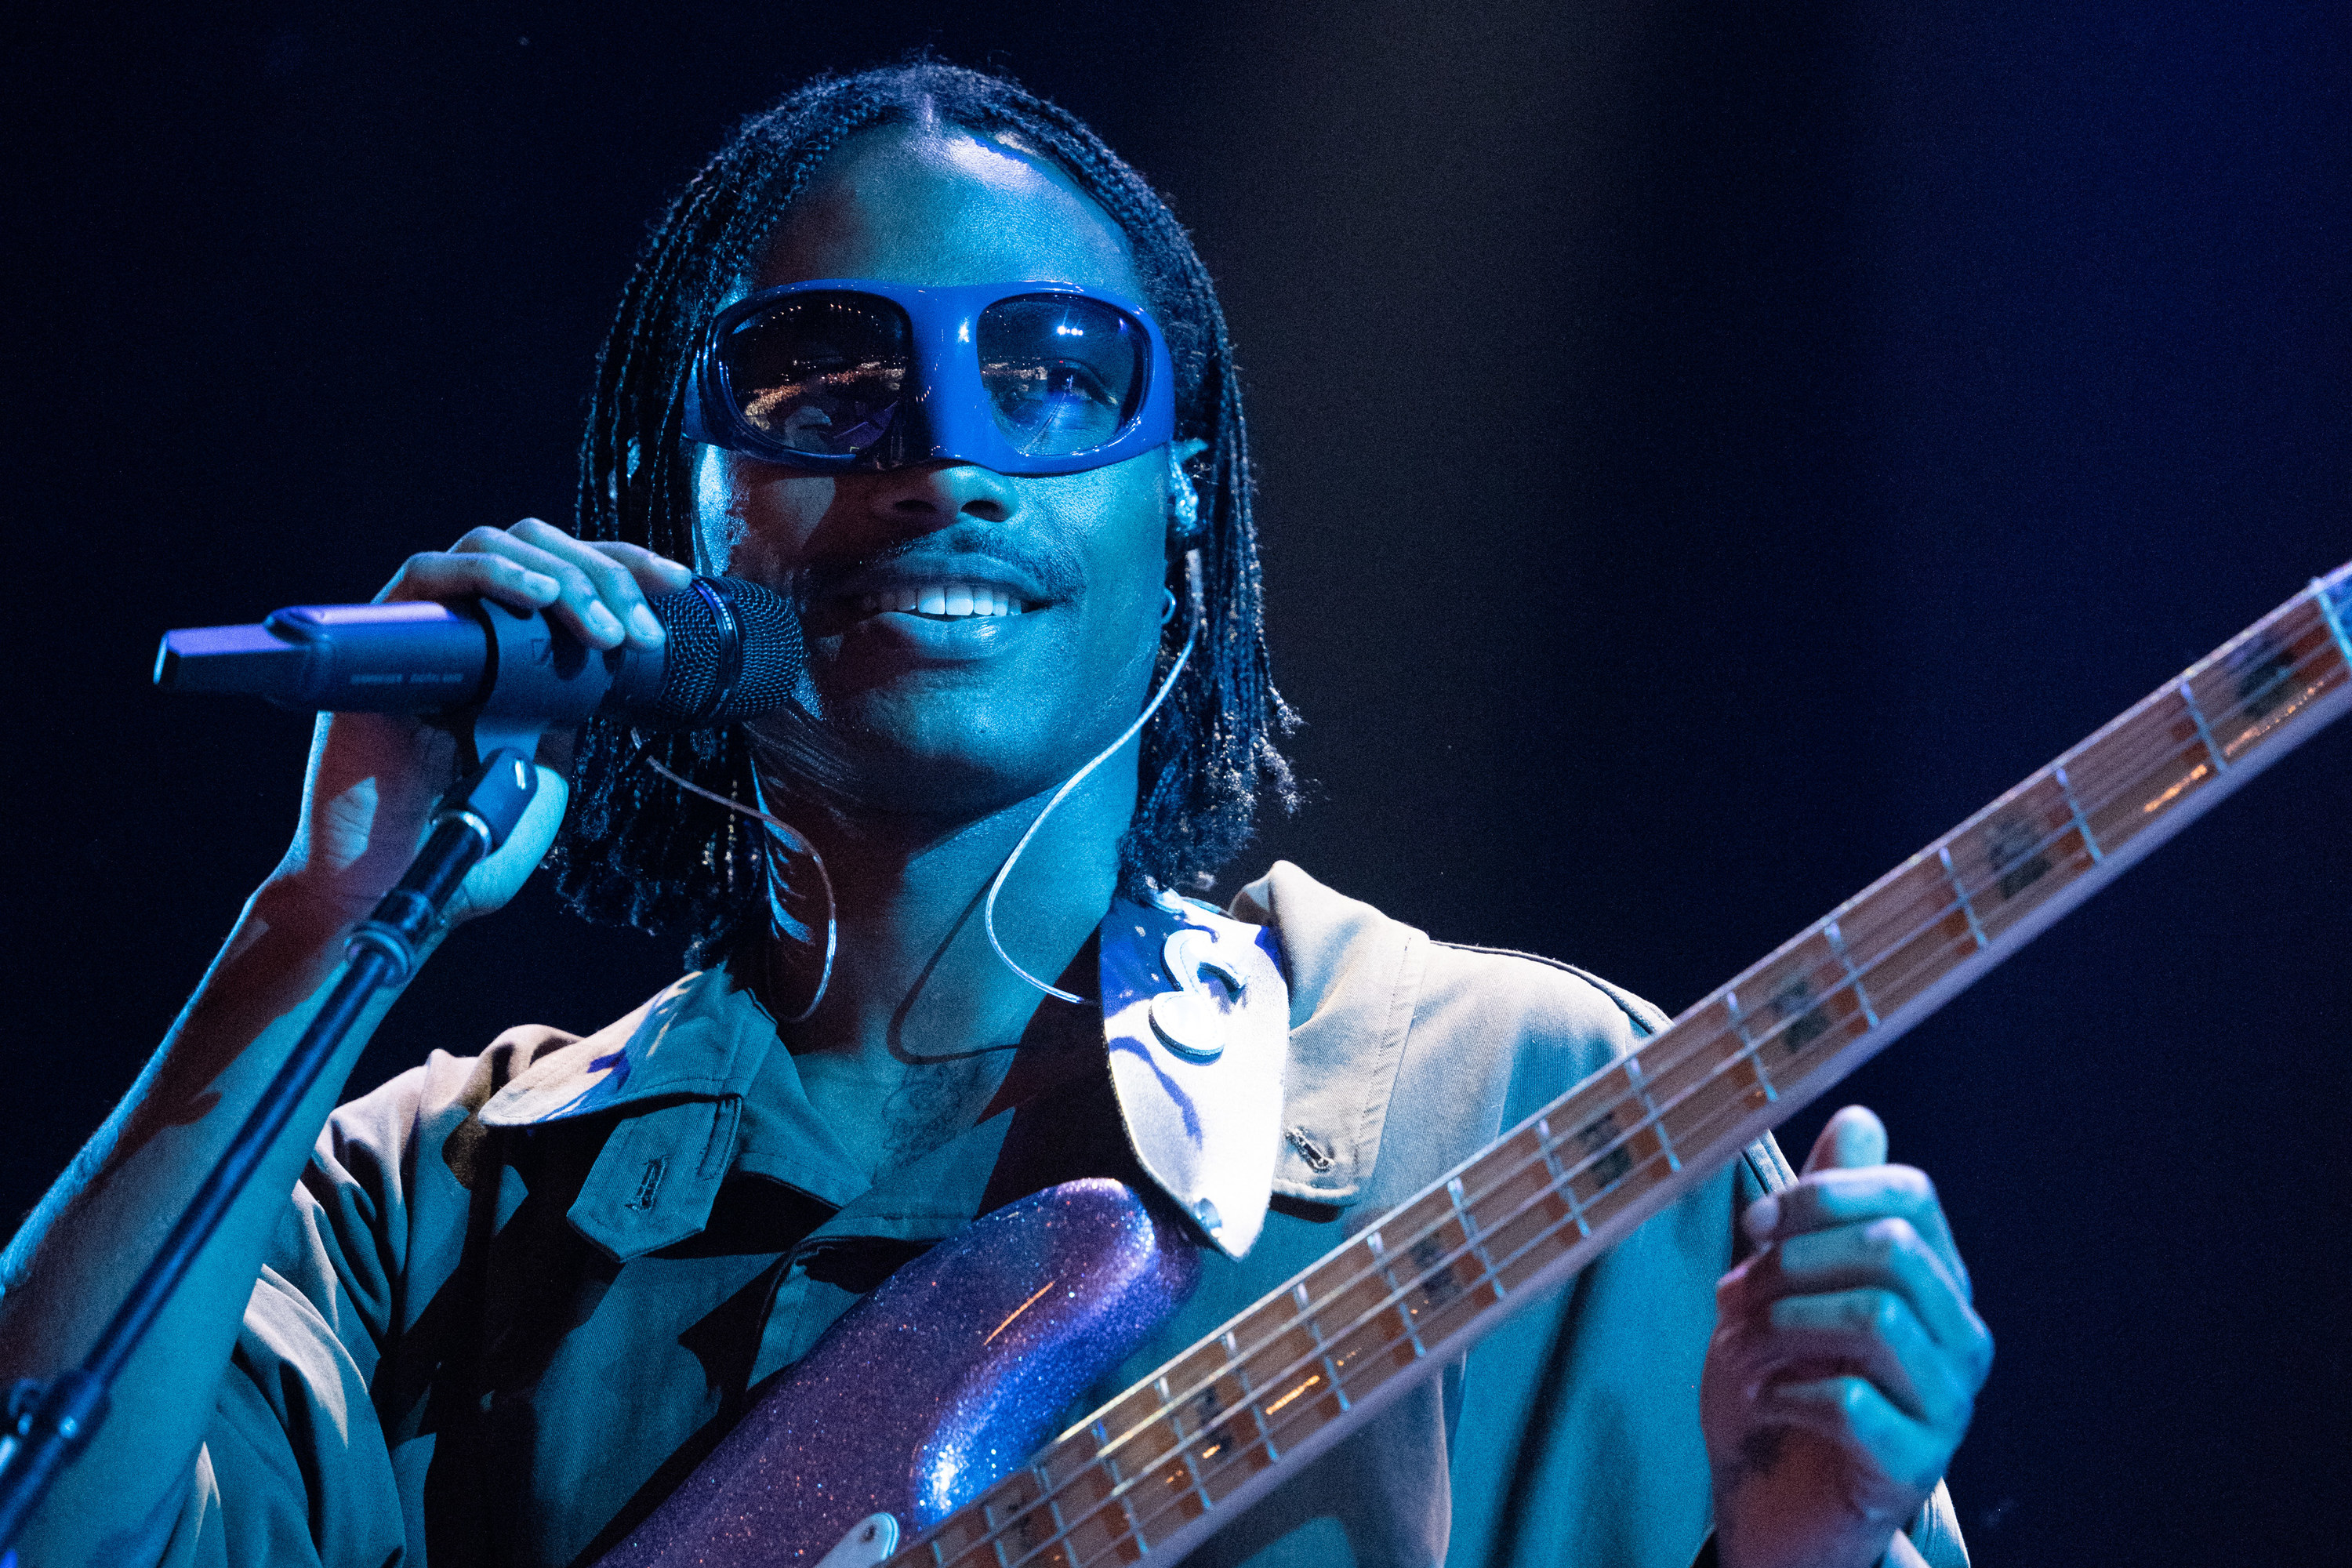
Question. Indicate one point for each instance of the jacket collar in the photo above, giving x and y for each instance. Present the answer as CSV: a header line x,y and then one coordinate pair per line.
x,y
702,1038
1341,975
1355,977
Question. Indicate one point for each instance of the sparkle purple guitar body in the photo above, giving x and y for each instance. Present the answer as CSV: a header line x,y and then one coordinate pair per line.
x,y
952,1374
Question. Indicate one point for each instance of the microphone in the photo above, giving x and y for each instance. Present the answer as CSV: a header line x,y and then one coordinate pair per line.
x,y
733,650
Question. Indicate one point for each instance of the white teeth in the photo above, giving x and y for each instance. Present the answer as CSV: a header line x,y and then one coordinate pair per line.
x,y
946,600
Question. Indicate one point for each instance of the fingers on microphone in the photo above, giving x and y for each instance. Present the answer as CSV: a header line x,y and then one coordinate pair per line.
x,y
645,574
598,592
596,595
619,574
656,574
452,575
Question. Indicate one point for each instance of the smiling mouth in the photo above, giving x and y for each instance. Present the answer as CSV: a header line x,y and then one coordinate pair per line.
x,y
940,601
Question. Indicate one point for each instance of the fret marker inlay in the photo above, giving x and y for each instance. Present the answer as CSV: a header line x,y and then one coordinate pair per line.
x,y
2013,854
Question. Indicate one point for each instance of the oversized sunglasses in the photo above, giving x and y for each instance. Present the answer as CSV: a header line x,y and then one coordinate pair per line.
x,y
1023,378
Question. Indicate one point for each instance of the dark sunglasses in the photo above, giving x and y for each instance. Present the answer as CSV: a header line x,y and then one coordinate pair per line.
x,y
1023,378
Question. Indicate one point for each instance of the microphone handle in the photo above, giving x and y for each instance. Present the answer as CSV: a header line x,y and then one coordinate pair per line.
x,y
409,657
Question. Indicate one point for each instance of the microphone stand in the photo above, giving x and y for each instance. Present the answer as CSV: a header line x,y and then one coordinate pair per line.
x,y
48,1424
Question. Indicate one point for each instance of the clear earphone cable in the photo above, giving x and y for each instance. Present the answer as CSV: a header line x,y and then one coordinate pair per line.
x,y
988,908
799,842
795,840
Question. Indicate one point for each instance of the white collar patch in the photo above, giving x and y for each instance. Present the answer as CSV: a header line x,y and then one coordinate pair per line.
x,y
1196,1016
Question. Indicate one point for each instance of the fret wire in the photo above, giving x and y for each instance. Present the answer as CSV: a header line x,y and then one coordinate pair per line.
x,y
2082,823
1632,1063
1837,945
1107,1451
1322,1350
1547,1144
1470,1231
1750,1054
1238,1364
2328,613
2220,763
1976,926
1046,1495
1192,1469
1380,1252
1740,1027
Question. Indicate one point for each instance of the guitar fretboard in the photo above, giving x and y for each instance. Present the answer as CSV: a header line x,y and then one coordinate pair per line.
x,y
1155,1470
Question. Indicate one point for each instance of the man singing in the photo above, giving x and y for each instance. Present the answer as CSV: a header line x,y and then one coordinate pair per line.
x,y
916,351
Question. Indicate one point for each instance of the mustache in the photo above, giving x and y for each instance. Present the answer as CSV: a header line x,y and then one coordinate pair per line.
x,y
809,756
1053,564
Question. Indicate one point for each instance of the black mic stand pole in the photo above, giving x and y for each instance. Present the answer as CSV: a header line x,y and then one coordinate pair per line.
x,y
49,1423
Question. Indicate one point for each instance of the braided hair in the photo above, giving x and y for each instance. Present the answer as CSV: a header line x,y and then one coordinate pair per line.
x,y
636,848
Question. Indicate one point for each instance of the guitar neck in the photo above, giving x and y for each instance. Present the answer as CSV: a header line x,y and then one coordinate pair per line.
x,y
1156,1470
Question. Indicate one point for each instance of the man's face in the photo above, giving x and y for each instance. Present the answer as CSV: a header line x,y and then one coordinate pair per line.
x,y
947,708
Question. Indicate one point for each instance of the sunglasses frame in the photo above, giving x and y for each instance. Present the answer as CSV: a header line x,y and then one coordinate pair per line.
x,y
944,382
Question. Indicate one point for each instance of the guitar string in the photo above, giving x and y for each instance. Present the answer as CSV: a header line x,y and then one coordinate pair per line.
x,y
2171,754
1489,1271
1259,1385
1666,1067
1128,1491
1269,1437
2146,761
1268,1432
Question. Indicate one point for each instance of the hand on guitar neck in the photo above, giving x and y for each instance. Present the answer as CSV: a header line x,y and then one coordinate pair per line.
x,y
1845,1361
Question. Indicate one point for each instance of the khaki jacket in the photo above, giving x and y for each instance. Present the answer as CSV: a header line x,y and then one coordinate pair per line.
x,y
517,1296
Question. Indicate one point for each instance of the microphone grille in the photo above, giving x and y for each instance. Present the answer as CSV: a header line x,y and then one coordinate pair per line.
x,y
734,650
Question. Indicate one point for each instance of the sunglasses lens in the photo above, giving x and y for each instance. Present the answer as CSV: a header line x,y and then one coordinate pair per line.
x,y
819,374
1064,374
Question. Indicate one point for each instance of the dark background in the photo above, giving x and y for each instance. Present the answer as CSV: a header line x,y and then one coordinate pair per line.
x,y
1707,451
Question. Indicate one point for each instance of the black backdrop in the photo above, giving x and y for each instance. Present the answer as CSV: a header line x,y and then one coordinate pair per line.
x,y
1706,451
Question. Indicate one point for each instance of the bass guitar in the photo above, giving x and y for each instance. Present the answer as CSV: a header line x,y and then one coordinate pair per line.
x,y
988,1337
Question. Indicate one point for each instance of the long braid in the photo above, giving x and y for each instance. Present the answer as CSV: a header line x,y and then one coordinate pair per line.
x,y
639,850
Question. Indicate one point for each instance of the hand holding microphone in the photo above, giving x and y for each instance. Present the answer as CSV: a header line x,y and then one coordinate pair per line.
x,y
525,629
702,652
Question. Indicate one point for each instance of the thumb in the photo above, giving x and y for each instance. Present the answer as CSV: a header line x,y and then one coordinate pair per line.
x,y
502,875
1853,1137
